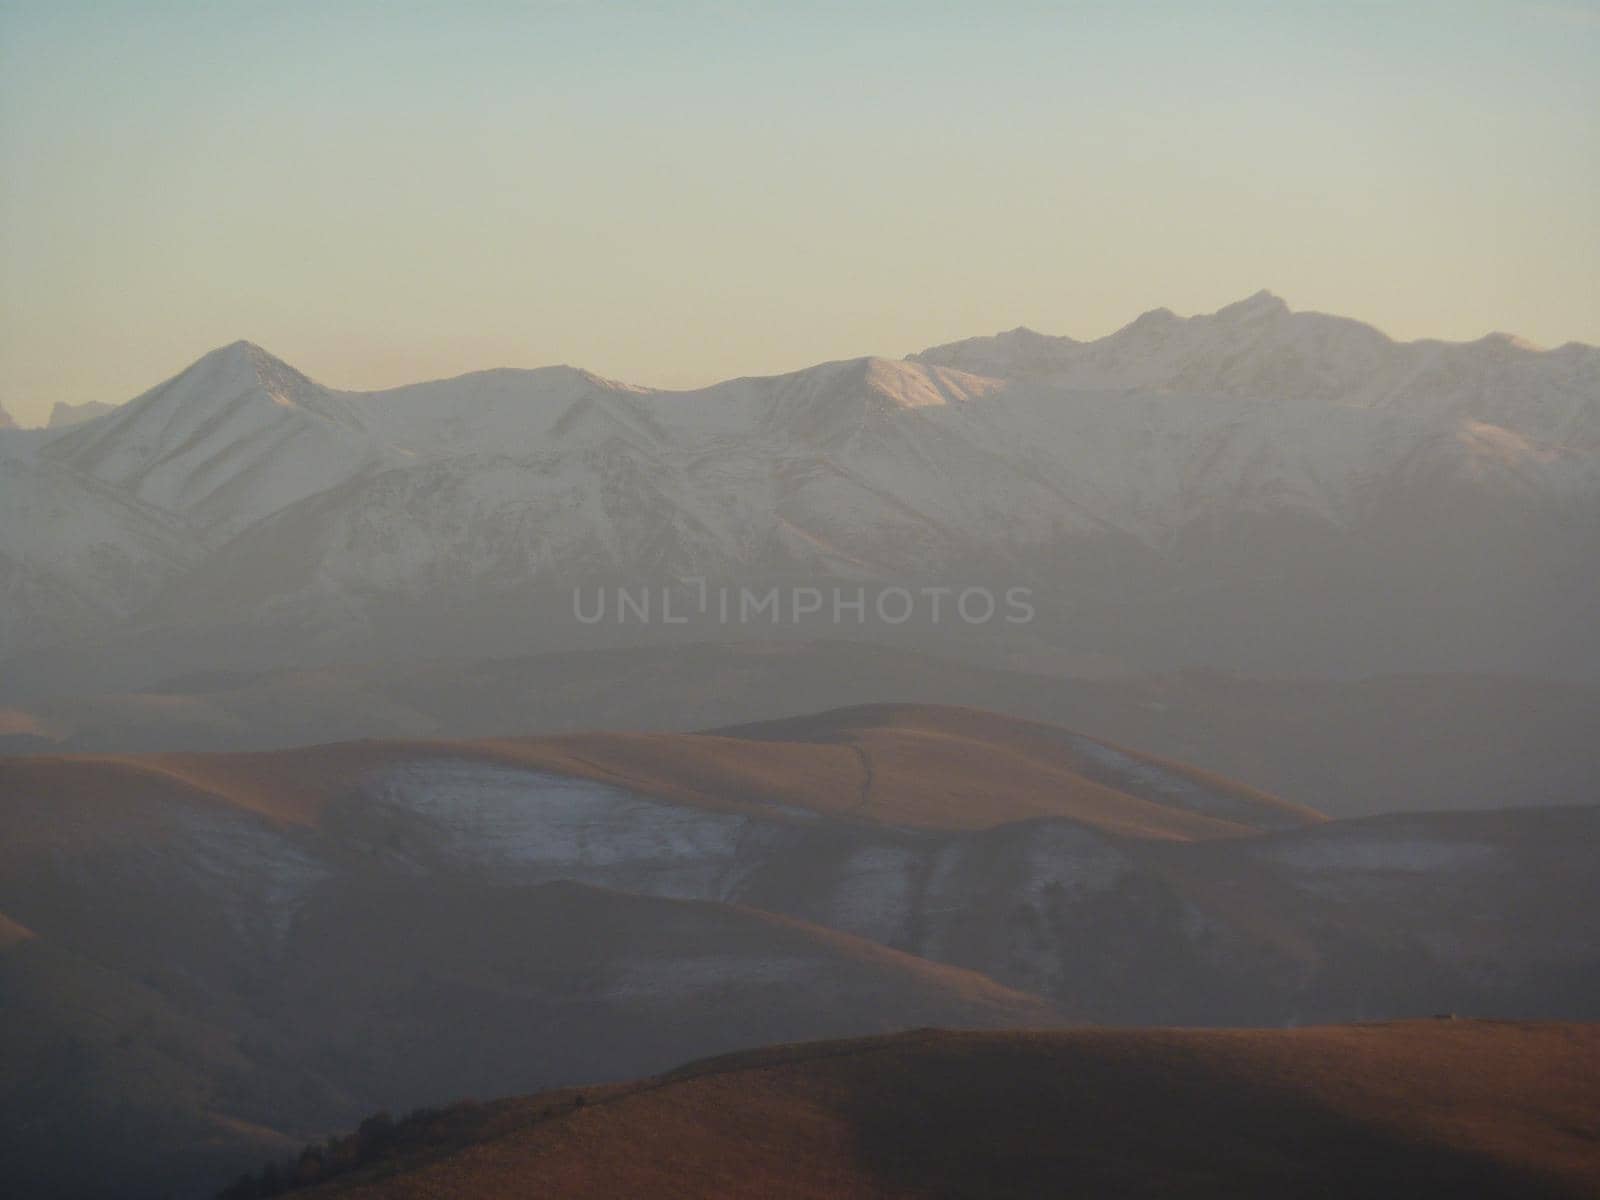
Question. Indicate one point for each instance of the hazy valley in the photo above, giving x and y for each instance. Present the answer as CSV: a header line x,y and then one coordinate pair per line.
x,y
319,798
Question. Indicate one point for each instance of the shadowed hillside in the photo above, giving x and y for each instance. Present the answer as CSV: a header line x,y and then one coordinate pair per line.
x,y
208,957
1463,1109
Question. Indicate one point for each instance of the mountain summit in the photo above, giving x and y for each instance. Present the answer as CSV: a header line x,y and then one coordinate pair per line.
x,y
1253,307
237,435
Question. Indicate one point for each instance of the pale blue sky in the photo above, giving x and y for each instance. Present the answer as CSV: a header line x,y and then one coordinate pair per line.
x,y
673,193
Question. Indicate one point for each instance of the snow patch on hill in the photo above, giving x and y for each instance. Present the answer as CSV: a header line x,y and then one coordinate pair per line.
x,y
534,827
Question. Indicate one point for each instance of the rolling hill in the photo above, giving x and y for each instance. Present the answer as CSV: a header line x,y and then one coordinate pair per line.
x,y
1433,1108
909,766
234,952
1347,748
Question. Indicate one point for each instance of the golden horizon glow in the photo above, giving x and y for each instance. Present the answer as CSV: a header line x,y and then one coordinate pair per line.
x,y
676,197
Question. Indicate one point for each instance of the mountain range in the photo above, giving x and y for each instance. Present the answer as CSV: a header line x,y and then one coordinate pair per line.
x,y
1261,489
332,800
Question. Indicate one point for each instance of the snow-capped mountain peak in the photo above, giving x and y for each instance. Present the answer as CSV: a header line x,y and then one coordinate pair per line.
x,y
244,369
235,436
1254,307
1017,353
1260,349
1019,455
1499,340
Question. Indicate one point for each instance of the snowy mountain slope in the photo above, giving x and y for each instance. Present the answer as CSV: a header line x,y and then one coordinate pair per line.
x,y
818,405
64,415
482,412
235,437
76,554
1268,462
1259,349
6,420
828,470
475,525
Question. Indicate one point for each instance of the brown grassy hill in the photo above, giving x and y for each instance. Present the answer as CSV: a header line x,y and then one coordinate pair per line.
x,y
108,1089
1456,1109
239,950
1389,743
917,766
12,934
953,752
579,982
398,993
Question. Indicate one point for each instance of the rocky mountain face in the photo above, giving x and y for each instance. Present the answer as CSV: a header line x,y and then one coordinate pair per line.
x,y
1257,488
207,960
77,554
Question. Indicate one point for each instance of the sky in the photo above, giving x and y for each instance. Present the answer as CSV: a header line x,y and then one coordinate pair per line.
x,y
674,193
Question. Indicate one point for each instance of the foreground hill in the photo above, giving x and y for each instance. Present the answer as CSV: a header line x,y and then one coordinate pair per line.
x,y
227,953
162,1080
1465,1109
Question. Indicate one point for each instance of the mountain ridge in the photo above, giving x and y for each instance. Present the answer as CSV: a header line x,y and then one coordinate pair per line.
x,y
1261,303
1126,476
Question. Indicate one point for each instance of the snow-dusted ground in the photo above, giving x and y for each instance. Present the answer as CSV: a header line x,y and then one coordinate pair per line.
x,y
257,878
1044,905
1002,901
911,890
512,825
1174,788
